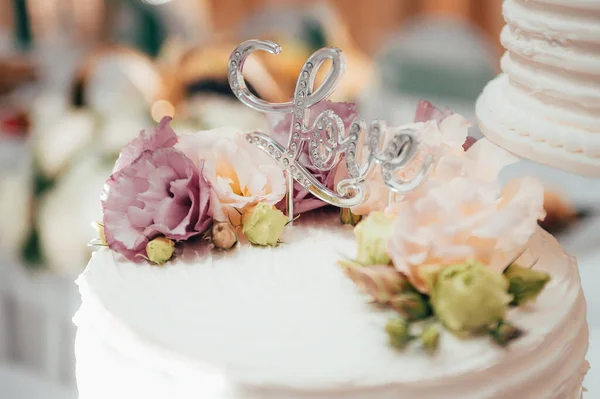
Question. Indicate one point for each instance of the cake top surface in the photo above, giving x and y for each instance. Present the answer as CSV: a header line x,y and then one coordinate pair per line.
x,y
440,264
287,316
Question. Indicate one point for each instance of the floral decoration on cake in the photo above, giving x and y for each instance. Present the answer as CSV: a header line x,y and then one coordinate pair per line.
x,y
439,239
167,189
448,254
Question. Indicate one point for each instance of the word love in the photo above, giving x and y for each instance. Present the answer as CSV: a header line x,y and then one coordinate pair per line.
x,y
362,148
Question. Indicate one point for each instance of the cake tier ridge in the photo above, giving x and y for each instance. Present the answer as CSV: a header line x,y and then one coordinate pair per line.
x,y
547,107
286,322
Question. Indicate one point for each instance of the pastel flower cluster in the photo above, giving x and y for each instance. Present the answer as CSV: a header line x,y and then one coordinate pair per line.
x,y
448,250
167,189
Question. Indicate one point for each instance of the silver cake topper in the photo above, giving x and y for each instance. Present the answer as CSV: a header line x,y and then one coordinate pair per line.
x,y
326,136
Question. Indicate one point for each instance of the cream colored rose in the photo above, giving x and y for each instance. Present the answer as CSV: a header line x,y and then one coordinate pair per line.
x,y
241,175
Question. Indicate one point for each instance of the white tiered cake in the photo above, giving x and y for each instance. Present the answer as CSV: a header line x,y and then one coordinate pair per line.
x,y
546,105
452,291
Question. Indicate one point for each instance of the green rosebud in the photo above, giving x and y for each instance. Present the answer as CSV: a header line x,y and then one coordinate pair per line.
x,y
411,305
223,235
160,250
372,235
347,217
504,333
398,331
469,297
380,282
263,224
430,338
525,284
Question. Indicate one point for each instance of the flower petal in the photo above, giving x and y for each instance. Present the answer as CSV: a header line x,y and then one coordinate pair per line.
x,y
161,136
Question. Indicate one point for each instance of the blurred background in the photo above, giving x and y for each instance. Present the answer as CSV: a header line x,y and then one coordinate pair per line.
x,y
79,79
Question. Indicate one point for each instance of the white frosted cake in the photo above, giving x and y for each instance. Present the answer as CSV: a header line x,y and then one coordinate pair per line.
x,y
411,272
546,104
286,322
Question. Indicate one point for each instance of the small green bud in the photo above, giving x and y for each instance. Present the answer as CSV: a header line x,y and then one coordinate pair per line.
x,y
411,305
525,284
263,224
398,331
504,333
223,235
160,250
469,297
430,338
347,217
372,235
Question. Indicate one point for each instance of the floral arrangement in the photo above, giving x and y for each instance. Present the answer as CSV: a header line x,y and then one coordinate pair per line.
x,y
167,189
451,252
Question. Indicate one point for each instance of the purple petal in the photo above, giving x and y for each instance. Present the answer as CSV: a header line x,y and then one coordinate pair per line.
x,y
161,136
160,193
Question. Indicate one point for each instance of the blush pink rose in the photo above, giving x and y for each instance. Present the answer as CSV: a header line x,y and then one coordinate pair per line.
x,y
463,213
240,174
280,126
440,133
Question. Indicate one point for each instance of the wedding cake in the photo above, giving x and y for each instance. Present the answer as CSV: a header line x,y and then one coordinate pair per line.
x,y
359,261
546,104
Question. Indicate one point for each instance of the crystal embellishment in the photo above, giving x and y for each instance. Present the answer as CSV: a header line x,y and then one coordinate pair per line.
x,y
330,143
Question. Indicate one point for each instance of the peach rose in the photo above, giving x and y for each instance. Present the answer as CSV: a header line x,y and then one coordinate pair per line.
x,y
462,213
439,139
241,175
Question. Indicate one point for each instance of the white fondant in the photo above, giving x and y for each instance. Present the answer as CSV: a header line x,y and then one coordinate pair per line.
x,y
286,322
546,106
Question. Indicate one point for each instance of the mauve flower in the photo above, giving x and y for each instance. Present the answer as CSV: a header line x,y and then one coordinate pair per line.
x,y
241,175
161,136
280,127
161,193
463,213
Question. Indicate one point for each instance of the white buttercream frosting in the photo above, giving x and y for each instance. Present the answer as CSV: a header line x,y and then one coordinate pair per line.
x,y
286,322
546,106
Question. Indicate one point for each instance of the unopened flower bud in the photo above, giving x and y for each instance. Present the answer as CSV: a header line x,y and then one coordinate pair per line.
x,y
263,224
430,338
525,284
160,250
469,297
223,235
398,331
347,217
411,305
504,333
372,236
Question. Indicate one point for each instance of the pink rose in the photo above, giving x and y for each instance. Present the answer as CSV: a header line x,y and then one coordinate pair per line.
x,y
161,193
463,213
241,175
426,111
280,126
161,136
440,133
